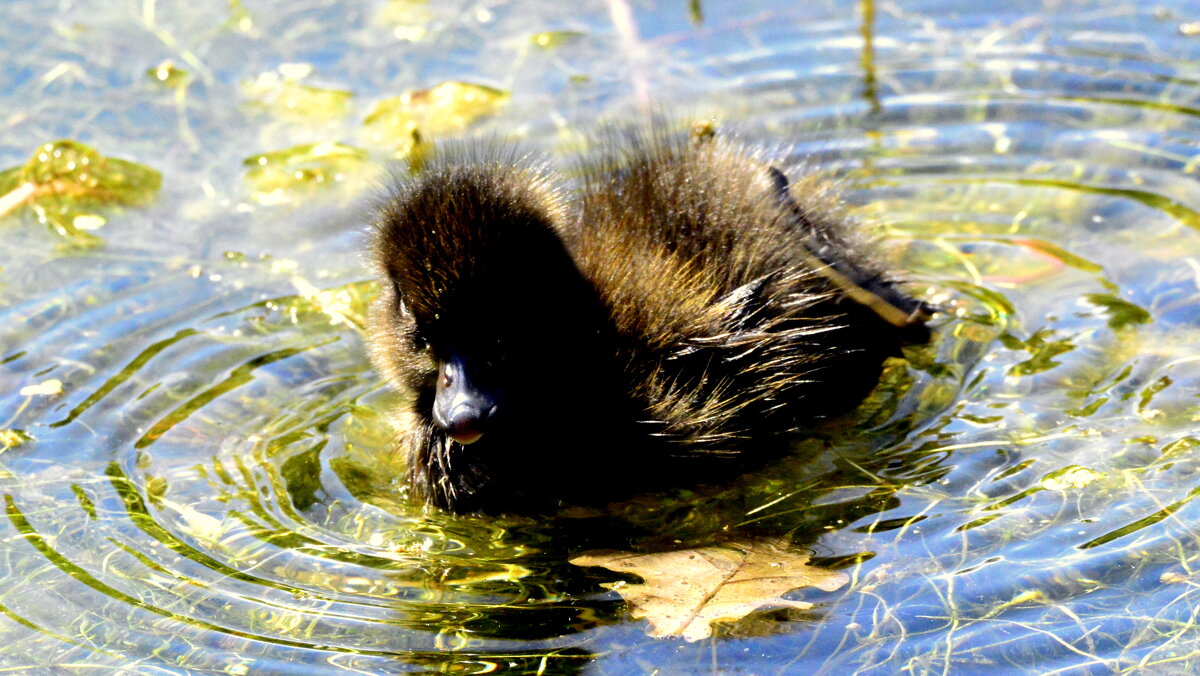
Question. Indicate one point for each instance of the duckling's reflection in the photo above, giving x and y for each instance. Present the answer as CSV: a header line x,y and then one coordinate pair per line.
x,y
662,322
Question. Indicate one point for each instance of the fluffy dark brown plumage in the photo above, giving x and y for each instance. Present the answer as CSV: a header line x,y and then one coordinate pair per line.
x,y
667,318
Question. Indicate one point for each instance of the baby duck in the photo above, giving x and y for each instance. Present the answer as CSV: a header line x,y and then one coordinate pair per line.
x,y
678,308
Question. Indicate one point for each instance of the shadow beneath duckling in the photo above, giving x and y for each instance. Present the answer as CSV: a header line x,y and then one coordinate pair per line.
x,y
678,315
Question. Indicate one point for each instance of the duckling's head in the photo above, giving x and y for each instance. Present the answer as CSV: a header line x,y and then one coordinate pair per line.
x,y
480,313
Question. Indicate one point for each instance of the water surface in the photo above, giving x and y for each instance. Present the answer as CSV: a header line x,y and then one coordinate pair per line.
x,y
208,488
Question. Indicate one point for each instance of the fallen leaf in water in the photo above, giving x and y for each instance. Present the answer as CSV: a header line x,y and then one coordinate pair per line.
x,y
408,121
685,591
1121,313
280,93
66,181
282,176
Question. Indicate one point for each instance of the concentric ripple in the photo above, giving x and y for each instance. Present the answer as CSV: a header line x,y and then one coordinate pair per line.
x,y
1047,164
196,474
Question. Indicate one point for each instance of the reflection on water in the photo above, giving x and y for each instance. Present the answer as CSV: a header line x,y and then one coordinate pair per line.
x,y
210,489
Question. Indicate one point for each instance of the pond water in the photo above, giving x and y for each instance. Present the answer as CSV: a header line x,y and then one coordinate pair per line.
x,y
194,465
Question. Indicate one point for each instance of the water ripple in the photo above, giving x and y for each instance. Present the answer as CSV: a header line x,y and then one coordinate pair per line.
x,y
211,491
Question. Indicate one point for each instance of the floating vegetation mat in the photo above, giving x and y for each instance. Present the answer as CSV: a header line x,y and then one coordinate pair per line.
x,y
196,473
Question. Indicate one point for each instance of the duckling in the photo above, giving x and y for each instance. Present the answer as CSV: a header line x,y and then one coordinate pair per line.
x,y
664,320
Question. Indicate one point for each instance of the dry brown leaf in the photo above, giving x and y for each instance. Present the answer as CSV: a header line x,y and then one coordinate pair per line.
x,y
685,591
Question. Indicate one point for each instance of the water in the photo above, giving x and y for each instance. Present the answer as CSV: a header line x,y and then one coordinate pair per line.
x,y
210,491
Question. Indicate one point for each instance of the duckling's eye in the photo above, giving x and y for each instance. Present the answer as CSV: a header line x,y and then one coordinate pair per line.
x,y
401,308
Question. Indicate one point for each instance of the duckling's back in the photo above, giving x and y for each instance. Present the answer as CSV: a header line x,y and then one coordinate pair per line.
x,y
740,306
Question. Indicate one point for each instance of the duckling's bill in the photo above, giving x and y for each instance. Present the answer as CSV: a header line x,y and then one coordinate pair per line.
x,y
460,406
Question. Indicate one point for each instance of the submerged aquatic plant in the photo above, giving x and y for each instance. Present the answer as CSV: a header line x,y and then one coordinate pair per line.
x,y
407,122
284,175
66,183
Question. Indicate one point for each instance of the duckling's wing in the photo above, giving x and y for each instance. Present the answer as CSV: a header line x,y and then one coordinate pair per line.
x,y
869,288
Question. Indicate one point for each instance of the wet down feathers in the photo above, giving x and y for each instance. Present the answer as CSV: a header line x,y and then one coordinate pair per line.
x,y
670,314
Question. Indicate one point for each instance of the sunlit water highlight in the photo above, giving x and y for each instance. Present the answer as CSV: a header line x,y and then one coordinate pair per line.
x,y
209,491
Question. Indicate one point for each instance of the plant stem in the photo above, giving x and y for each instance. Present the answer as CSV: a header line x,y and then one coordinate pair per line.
x,y
15,197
